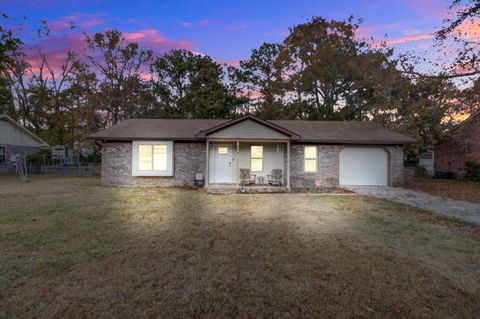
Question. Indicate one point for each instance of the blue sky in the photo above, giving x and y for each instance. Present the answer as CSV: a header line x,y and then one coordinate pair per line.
x,y
225,30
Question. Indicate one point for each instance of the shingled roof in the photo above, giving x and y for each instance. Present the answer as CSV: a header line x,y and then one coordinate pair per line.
x,y
328,132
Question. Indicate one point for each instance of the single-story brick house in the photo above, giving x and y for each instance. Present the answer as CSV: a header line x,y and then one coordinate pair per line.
x,y
16,143
459,145
170,152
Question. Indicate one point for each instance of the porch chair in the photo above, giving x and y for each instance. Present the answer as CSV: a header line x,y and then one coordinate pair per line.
x,y
246,178
276,178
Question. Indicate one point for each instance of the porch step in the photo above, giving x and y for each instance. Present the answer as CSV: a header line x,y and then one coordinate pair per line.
x,y
223,190
248,190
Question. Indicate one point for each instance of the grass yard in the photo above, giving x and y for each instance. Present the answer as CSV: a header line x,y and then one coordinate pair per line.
x,y
71,248
449,188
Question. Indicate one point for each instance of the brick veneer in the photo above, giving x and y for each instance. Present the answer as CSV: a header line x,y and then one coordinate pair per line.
x,y
460,145
328,166
189,159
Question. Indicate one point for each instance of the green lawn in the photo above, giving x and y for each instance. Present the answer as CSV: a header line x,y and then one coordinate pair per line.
x,y
72,248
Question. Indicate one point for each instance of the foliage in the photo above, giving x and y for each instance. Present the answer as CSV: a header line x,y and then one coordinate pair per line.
x,y
94,157
333,74
472,171
118,64
467,14
321,71
191,86
262,81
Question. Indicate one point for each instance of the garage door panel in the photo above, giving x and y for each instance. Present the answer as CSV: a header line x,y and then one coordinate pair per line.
x,y
363,166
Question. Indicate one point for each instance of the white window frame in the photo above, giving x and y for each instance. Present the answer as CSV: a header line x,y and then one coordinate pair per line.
x,y
305,158
4,154
256,158
137,172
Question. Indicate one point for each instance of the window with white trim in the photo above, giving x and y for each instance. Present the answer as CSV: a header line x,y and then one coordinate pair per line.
x,y
310,159
151,158
3,154
256,158
222,150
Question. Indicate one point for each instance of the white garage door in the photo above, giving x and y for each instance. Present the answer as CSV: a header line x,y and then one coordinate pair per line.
x,y
363,166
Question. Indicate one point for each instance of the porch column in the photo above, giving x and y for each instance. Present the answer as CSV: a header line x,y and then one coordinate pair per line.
x,y
207,173
288,165
237,164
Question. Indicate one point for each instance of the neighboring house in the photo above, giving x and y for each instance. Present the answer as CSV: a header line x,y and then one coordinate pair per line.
x,y
169,152
426,160
16,142
460,144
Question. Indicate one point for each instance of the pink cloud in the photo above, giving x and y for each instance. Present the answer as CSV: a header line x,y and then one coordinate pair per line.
x,y
134,36
84,21
205,22
427,8
367,31
60,25
406,39
235,63
237,27
402,40
92,23
54,48
469,30
186,24
152,39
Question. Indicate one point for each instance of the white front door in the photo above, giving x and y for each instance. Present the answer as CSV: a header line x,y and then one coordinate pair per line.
x,y
222,164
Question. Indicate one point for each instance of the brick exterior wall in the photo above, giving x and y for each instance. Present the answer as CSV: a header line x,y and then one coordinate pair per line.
x,y
396,174
328,166
458,147
327,161
189,159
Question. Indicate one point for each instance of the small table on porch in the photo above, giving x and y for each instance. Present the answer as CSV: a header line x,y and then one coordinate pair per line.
x,y
261,180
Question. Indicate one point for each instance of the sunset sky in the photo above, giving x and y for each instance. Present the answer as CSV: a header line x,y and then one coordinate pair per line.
x,y
225,30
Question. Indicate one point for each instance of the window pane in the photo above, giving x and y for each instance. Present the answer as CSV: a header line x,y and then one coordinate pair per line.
x,y
145,157
310,152
222,150
310,165
257,151
256,165
160,157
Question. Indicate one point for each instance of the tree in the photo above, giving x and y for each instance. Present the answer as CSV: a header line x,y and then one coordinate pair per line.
x,y
192,86
119,65
262,81
8,45
331,74
427,110
466,17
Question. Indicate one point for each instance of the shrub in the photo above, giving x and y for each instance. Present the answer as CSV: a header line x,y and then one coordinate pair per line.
x,y
472,171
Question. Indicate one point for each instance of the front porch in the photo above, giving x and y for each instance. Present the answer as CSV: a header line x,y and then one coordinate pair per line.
x,y
249,166
225,189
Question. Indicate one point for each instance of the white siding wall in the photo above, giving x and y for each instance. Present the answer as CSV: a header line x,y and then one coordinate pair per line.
x,y
248,129
273,157
428,164
11,135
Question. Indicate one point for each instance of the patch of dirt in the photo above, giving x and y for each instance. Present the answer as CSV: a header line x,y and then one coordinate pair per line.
x,y
454,189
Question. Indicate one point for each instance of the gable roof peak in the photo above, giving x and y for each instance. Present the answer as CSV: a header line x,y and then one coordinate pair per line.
x,y
250,117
